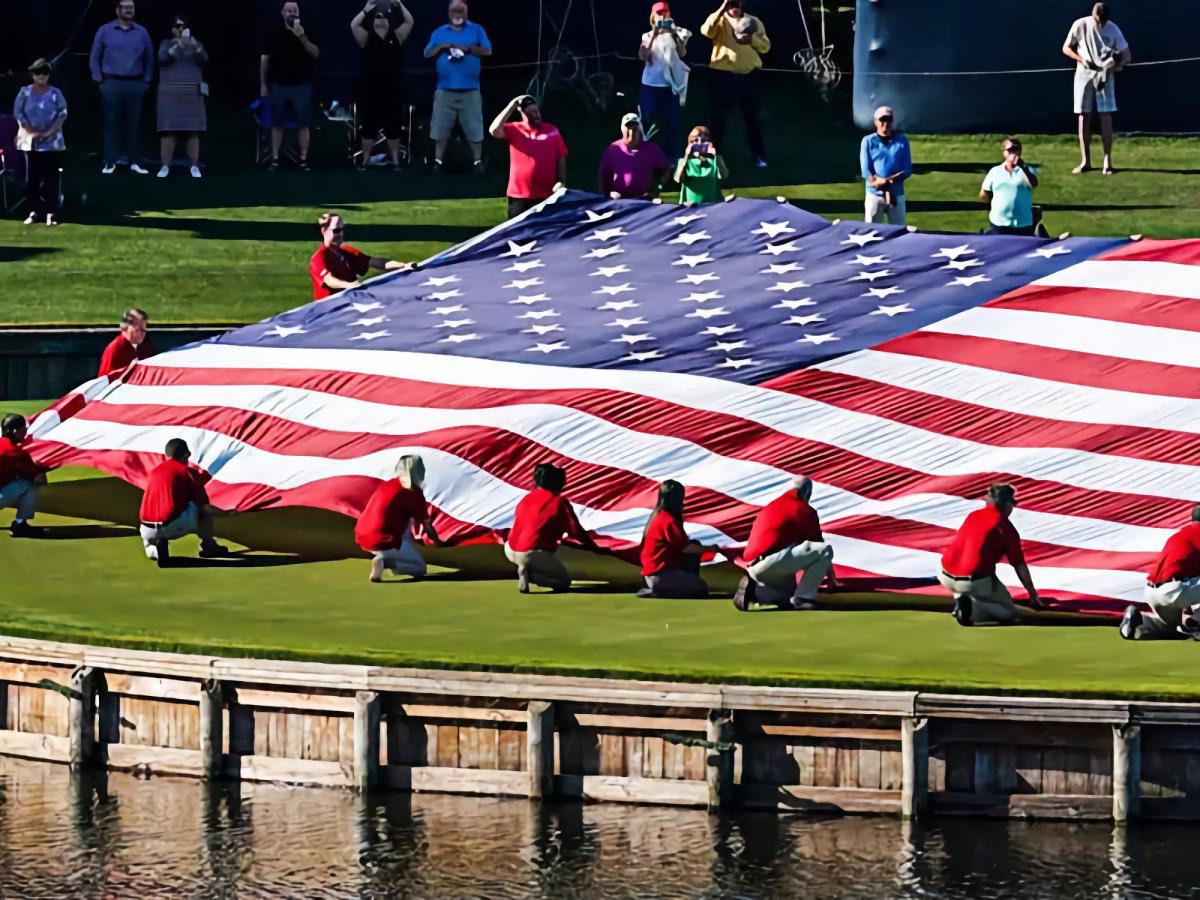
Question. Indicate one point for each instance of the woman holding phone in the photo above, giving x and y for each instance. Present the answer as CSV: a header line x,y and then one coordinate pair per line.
x,y
701,170
181,93
665,76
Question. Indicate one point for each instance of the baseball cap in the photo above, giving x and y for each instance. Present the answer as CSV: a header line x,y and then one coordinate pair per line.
x,y
661,8
884,111
629,119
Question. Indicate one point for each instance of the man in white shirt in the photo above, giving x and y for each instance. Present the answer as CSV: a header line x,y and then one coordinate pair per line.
x,y
1100,51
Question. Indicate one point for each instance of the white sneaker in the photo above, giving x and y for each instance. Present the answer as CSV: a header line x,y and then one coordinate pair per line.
x,y
760,163
163,172
196,173
138,170
31,219
50,220
108,169
151,552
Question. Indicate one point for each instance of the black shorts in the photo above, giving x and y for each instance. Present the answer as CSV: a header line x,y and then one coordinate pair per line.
x,y
381,111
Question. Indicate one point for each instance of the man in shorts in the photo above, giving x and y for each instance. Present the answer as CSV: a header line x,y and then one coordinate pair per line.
x,y
285,76
458,47
1100,51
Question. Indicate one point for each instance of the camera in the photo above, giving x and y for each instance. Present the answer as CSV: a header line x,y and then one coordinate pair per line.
x,y
186,33
290,21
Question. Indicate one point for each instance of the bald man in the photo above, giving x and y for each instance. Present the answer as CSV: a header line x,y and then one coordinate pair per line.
x,y
786,542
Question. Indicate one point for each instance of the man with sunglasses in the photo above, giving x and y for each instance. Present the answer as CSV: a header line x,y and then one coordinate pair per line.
x,y
122,64
336,266
886,162
1008,187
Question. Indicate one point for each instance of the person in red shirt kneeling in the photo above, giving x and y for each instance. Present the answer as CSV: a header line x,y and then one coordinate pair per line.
x,y
386,525
175,504
670,559
20,477
336,266
132,343
1172,590
786,541
541,519
969,566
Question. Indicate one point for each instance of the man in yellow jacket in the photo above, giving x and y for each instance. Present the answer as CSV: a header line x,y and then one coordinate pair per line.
x,y
738,40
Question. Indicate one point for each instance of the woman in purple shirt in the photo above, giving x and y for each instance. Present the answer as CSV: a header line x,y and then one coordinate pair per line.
x,y
632,167
40,111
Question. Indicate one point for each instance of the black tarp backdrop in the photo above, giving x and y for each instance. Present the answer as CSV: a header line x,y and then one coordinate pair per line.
x,y
971,35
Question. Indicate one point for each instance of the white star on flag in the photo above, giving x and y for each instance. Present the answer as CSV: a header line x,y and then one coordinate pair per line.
x,y
370,335
548,348
862,239
890,311
529,299
953,252
870,276
613,290
606,234
818,339
729,346
539,314
703,312
692,261
525,266
632,339
459,338
884,292
610,271
690,237
773,229
627,323
967,280
515,249
788,286
617,305
603,252
365,307
961,265
454,323
593,216
1049,252
698,278
803,320
542,330
781,268
698,297
776,249
734,363
439,280
686,219
721,330
439,296
860,260
285,331
642,356
794,304
367,323
519,284
446,310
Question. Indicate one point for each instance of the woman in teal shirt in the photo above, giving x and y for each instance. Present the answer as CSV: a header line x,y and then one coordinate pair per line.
x,y
701,170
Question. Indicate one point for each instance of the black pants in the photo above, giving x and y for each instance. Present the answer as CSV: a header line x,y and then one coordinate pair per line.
x,y
42,172
518,205
743,91
1027,231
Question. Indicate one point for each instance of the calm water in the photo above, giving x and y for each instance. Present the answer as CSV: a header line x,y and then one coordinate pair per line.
x,y
160,837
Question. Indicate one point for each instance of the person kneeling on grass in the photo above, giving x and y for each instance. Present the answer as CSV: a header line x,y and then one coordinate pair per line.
x,y
670,559
1172,590
785,542
385,527
20,477
175,504
969,566
542,517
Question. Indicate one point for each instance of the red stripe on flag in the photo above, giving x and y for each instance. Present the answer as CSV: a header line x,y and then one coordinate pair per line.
x,y
1108,305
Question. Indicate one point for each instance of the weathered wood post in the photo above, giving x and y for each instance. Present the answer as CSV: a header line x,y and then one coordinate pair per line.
x,y
914,750
719,759
212,707
539,749
366,740
1127,771
110,720
241,732
82,712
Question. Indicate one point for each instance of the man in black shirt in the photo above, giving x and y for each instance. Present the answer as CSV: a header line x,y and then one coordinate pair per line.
x,y
285,73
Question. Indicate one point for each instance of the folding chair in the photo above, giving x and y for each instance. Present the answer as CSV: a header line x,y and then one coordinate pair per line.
x,y
379,155
12,164
260,109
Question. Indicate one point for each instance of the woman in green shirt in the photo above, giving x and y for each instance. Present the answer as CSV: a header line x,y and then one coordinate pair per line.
x,y
701,170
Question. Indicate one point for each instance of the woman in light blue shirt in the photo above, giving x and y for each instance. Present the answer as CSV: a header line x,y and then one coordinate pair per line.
x,y
40,111
1009,189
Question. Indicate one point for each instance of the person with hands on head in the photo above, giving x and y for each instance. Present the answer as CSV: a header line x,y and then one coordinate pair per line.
x,y
738,42
968,568
1008,189
336,266
180,96
632,167
458,47
1100,51
132,342
385,528
885,159
175,504
700,170
285,75
21,479
670,559
541,519
381,89
537,163
665,75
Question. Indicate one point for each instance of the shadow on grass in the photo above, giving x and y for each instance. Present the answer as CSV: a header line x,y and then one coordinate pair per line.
x,y
20,254
87,532
236,561
291,232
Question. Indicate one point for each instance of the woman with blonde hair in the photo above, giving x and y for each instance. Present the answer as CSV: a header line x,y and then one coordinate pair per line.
x,y
396,509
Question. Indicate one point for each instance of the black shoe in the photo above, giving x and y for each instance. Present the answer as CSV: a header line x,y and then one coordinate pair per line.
x,y
25,530
744,596
303,166
1131,623
163,553
213,550
273,166
963,608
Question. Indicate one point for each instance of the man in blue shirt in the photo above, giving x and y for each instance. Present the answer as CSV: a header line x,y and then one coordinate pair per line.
x,y
458,47
886,161
122,63
1009,189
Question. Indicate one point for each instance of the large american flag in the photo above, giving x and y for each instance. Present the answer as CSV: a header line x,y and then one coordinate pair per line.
x,y
726,346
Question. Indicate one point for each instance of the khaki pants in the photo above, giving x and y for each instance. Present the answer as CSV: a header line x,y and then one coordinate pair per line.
x,y
543,568
1168,602
403,560
879,213
778,570
991,600
190,521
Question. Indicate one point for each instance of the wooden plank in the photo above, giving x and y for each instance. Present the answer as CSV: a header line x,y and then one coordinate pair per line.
x,y
869,759
618,789
1077,765
612,754
464,713
509,745
985,769
673,762
152,688
652,757
156,760
891,770
847,766
1036,734
633,755
291,771
960,768
31,673
1100,773
805,756
431,744
447,749
695,764
831,732
51,748
467,748
638,723
487,747
756,760
455,781
1172,738
1006,769
797,798
1020,806
1054,777
1029,770
825,760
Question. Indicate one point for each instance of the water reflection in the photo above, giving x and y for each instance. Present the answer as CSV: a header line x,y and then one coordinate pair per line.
x,y
118,835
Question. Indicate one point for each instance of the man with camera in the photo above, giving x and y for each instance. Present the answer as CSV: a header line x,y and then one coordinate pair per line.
x,y
886,161
537,154
738,41
286,76
458,47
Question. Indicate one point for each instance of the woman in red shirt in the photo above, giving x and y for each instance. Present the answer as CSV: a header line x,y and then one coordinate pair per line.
x,y
670,559
385,528
542,518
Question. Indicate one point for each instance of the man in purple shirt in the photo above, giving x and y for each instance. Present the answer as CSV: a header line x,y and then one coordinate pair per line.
x,y
632,167
122,63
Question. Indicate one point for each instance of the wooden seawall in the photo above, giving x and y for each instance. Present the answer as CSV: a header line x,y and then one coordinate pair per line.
x,y
708,745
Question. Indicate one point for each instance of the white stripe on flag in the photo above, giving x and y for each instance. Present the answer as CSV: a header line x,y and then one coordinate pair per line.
x,y
1140,276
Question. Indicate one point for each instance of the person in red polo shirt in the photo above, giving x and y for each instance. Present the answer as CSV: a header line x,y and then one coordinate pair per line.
x,y
670,559
1172,590
537,160
786,541
541,519
336,266
175,504
132,343
20,477
386,525
969,566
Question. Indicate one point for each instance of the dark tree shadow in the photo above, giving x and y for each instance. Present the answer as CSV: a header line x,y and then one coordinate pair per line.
x,y
290,232
20,254
235,561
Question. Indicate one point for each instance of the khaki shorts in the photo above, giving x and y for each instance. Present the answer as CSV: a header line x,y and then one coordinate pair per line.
x,y
462,107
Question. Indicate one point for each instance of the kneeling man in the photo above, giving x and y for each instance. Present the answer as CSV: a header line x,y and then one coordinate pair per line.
x,y
385,527
969,566
1172,588
20,477
176,504
785,541
542,517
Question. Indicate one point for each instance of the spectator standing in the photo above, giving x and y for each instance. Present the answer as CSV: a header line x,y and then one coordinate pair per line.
x,y
537,154
286,76
132,343
175,504
381,92
122,64
181,91
886,162
458,47
1008,187
336,266
21,478
665,75
632,167
1100,51
385,528
700,170
40,111
670,559
738,41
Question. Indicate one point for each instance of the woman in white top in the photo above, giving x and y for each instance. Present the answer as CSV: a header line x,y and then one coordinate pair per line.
x,y
665,77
